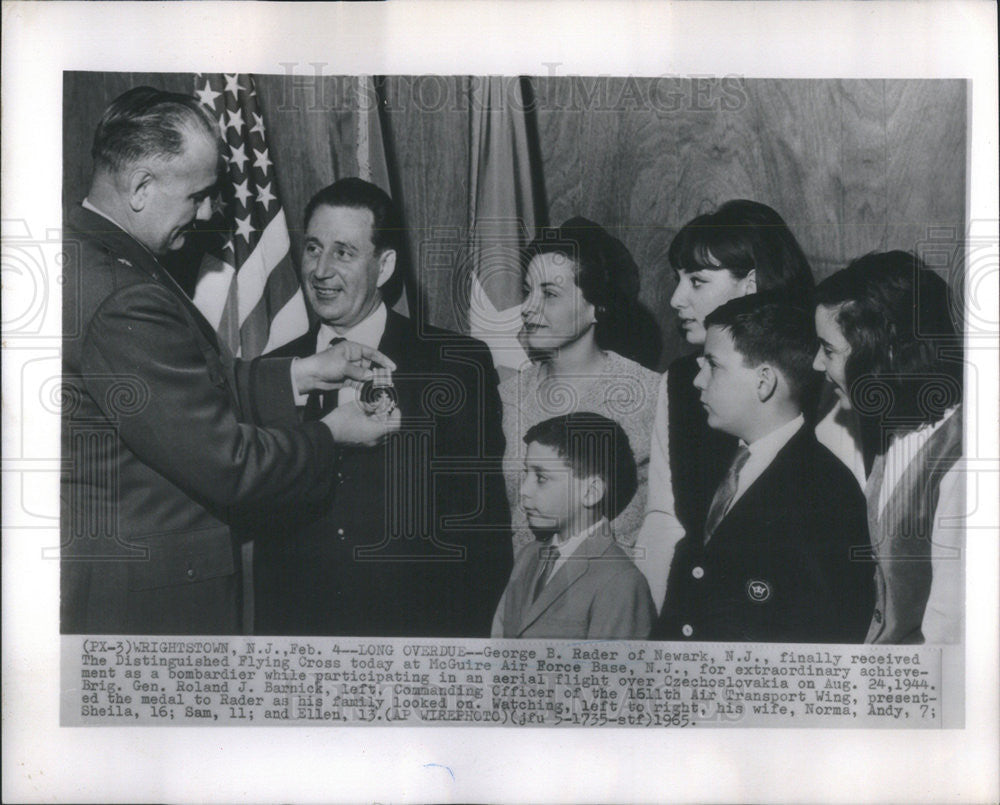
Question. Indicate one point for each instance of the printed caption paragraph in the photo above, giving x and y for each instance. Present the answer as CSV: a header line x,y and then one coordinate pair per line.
x,y
172,681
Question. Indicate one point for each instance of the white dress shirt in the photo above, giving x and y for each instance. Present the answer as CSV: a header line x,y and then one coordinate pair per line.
x,y
762,453
367,332
571,545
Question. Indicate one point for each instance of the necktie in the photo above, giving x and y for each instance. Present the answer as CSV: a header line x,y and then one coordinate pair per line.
x,y
328,399
725,493
549,554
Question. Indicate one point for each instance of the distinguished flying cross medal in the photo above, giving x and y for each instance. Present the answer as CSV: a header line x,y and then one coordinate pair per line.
x,y
377,395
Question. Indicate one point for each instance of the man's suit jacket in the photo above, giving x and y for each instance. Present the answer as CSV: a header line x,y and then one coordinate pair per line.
x,y
788,562
160,446
596,594
416,540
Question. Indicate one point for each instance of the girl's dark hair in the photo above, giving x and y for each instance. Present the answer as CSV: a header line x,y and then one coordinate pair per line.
x,y
744,236
905,366
608,277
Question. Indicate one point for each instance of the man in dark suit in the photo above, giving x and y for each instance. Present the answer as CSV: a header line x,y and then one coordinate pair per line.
x,y
779,556
416,540
164,437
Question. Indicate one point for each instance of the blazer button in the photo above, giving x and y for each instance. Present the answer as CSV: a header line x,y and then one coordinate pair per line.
x,y
340,533
190,573
698,572
686,630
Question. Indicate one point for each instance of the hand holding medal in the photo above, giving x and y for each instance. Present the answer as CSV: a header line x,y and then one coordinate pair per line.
x,y
377,395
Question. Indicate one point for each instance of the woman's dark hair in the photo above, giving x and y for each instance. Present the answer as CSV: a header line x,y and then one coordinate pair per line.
x,y
608,277
905,366
744,236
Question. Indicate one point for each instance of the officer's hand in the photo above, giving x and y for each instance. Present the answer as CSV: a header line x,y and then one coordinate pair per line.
x,y
345,363
352,427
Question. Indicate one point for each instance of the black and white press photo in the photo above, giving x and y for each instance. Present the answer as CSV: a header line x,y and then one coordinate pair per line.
x,y
658,359
634,399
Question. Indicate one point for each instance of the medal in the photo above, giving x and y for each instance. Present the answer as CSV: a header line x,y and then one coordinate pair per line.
x,y
378,396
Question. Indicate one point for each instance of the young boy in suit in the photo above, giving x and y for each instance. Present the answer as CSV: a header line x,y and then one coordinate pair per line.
x,y
781,555
575,582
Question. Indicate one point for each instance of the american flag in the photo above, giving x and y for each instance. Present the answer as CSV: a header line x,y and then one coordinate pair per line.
x,y
247,286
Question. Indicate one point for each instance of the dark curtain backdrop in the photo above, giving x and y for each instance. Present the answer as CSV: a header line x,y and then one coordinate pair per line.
x,y
853,166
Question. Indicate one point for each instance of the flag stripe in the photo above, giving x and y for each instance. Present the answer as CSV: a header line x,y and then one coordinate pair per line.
x,y
212,290
282,286
287,322
255,330
271,249
229,324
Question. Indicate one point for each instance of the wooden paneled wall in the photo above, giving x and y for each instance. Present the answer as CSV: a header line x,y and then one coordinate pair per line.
x,y
853,166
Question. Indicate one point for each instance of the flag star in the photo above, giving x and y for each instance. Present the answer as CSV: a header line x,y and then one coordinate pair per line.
x,y
207,95
262,160
258,124
238,157
265,196
235,121
244,228
218,205
242,191
233,85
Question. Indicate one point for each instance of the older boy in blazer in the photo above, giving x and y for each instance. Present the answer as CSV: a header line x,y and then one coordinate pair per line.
x,y
780,557
575,582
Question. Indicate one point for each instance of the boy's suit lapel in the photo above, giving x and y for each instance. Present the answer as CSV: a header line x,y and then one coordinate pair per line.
x,y
523,582
754,503
569,573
